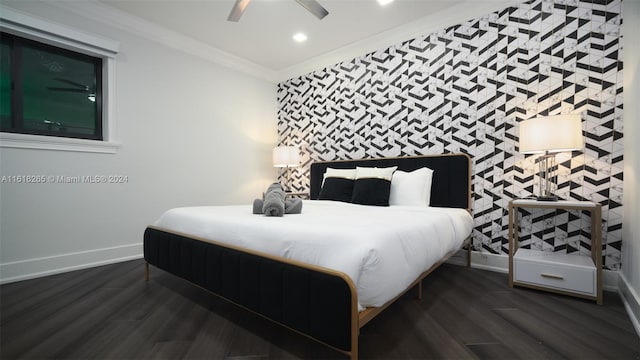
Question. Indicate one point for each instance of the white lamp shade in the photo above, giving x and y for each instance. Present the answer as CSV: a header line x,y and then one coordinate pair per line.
x,y
284,156
551,133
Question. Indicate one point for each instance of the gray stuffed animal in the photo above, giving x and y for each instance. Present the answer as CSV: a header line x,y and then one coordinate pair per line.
x,y
274,200
275,203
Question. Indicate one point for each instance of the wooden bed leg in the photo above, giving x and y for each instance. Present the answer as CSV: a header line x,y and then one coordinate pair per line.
x,y
353,355
469,255
146,271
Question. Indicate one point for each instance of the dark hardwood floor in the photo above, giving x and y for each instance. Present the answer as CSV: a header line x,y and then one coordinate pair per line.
x,y
109,312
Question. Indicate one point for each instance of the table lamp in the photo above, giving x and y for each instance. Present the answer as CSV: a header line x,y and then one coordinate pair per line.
x,y
286,157
550,135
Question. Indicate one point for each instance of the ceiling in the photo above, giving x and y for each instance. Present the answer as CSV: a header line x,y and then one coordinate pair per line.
x,y
263,35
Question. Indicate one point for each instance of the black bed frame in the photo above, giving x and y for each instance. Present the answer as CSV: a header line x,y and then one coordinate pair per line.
x,y
317,302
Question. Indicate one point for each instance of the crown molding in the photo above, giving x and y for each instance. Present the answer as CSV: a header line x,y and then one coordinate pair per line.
x,y
97,11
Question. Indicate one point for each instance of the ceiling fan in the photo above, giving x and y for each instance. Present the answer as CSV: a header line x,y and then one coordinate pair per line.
x,y
311,5
76,87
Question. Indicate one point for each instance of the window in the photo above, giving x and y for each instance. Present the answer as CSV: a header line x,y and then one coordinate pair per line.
x,y
47,90
57,86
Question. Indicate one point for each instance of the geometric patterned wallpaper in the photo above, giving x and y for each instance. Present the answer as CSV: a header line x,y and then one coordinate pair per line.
x,y
465,89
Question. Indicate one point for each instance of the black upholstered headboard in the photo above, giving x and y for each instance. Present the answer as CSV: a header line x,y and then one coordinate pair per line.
x,y
451,185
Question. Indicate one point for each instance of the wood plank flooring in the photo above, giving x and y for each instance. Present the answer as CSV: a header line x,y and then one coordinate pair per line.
x,y
109,312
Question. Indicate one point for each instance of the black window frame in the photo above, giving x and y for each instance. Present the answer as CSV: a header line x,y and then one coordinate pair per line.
x,y
17,119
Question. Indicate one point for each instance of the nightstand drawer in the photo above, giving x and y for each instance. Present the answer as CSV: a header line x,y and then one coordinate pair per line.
x,y
562,276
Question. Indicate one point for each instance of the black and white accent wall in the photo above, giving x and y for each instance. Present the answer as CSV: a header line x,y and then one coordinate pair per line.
x,y
465,89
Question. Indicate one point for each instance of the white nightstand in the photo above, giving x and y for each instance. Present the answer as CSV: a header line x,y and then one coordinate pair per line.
x,y
556,271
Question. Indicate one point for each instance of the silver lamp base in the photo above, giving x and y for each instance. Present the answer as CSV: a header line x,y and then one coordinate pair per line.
x,y
547,183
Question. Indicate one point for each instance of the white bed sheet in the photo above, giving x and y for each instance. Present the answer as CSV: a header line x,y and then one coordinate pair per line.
x,y
382,249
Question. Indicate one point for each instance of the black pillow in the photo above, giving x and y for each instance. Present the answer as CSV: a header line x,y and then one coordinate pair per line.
x,y
338,189
371,191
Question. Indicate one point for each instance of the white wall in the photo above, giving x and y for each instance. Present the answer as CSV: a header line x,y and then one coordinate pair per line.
x,y
630,273
192,133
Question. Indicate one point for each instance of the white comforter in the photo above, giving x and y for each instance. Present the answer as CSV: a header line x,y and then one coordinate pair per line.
x,y
382,249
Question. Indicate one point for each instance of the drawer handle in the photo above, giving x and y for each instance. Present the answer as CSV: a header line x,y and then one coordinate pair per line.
x,y
551,276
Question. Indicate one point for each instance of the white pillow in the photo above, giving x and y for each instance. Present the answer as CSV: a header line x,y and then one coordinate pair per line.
x,y
375,172
340,173
411,188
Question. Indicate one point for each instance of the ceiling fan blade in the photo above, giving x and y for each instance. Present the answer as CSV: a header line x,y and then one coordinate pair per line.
x,y
237,10
314,7
71,83
68,89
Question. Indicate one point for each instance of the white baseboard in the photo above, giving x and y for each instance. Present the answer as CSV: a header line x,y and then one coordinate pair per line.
x,y
480,260
610,280
631,301
33,268
488,261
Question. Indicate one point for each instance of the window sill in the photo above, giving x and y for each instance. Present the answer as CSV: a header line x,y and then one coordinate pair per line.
x,y
23,141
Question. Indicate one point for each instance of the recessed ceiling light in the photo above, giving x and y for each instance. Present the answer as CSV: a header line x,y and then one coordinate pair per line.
x,y
384,2
300,37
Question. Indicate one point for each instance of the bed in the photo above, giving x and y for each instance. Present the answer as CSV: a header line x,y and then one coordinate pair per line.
x,y
286,270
